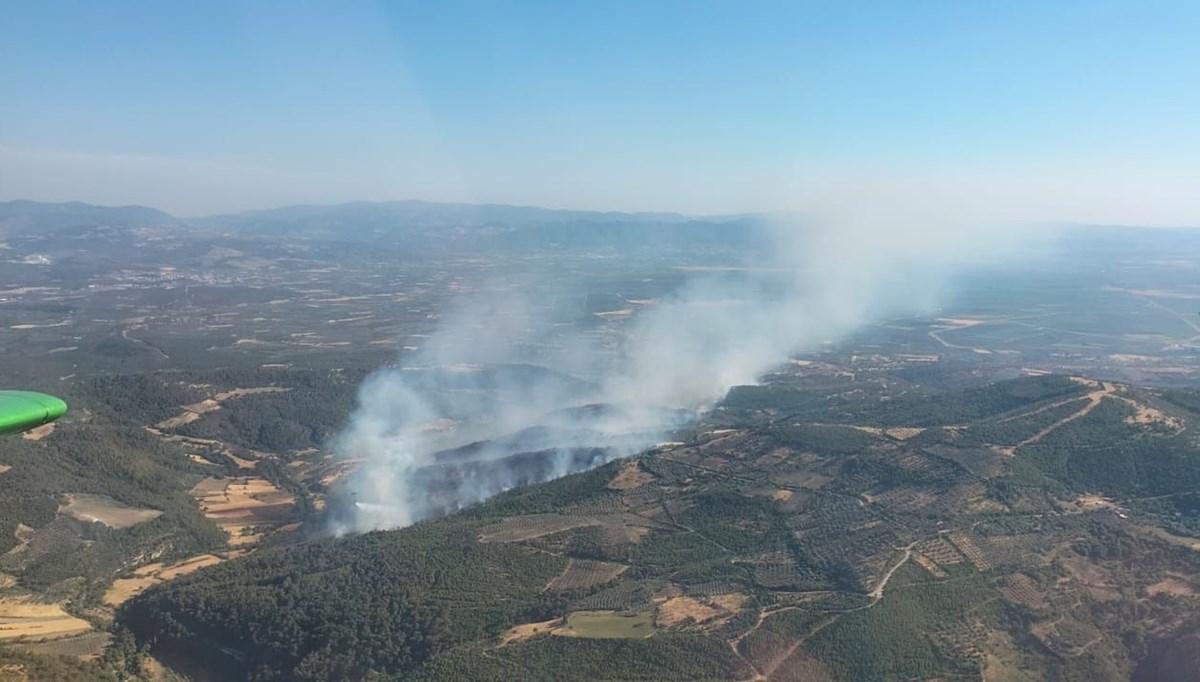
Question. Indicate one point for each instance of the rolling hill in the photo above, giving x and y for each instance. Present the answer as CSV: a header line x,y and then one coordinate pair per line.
x,y
806,530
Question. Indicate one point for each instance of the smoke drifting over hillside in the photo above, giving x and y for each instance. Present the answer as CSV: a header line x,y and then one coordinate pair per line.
x,y
459,424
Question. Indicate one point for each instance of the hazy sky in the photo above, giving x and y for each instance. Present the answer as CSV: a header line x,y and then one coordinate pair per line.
x,y
1039,110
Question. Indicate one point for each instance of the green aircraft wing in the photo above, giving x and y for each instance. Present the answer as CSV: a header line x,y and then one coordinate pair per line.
x,y
24,410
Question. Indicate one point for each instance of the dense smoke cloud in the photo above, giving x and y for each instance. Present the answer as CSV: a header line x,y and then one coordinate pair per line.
x,y
821,280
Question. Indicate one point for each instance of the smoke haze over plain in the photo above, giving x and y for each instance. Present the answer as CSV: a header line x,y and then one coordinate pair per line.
x,y
821,279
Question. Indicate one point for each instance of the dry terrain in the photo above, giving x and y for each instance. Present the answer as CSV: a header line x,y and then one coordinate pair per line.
x,y
244,506
124,589
22,618
106,510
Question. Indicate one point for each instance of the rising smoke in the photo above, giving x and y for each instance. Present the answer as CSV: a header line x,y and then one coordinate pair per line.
x,y
462,422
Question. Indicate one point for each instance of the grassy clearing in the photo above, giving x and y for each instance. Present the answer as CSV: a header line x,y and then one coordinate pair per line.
x,y
105,510
611,624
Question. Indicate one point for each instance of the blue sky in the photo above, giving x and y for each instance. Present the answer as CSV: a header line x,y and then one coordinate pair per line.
x,y
1038,110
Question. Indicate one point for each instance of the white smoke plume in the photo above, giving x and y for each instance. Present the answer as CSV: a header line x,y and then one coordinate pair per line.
x,y
822,279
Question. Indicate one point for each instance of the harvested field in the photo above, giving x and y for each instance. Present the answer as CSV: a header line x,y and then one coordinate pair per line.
x,y
146,576
733,601
188,566
209,486
679,610
22,620
85,646
521,633
585,573
631,476
243,504
105,510
124,589
242,497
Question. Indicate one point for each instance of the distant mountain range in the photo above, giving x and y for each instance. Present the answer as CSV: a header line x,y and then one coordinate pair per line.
x,y
422,223
23,216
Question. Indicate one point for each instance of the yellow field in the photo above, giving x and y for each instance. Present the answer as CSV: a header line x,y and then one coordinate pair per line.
x,y
189,566
521,633
20,620
124,589
678,610
240,505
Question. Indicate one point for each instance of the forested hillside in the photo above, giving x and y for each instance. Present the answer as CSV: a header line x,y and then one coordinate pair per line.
x,y
985,529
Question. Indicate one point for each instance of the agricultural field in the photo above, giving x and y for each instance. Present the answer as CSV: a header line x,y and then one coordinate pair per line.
x,y
105,510
582,574
26,619
123,589
245,507
609,625
86,646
